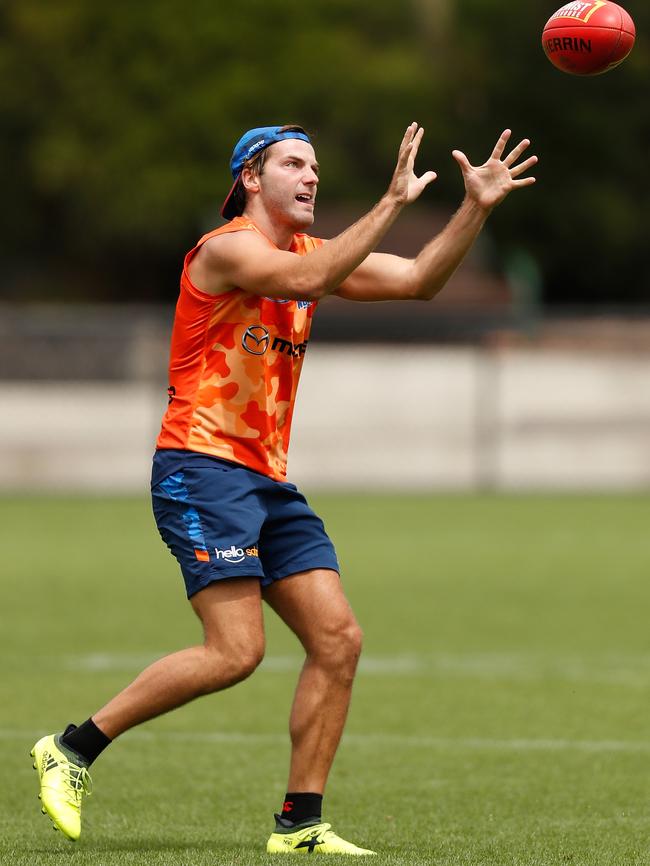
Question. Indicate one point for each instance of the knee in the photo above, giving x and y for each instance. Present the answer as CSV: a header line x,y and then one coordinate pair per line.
x,y
231,663
245,660
339,647
352,638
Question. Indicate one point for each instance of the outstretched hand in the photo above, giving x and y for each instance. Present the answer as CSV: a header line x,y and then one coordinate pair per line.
x,y
490,183
405,186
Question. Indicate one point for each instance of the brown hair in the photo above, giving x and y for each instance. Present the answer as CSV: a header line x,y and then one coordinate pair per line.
x,y
256,165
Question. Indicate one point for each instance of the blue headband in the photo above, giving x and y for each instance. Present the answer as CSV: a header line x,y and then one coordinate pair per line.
x,y
258,139
249,144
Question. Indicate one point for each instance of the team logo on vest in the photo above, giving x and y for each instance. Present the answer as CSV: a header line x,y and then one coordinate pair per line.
x,y
300,305
256,339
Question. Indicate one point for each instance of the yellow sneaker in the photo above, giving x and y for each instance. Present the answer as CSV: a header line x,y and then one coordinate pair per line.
x,y
317,839
63,780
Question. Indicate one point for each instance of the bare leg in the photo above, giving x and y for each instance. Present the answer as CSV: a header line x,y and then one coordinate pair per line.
x,y
231,613
315,608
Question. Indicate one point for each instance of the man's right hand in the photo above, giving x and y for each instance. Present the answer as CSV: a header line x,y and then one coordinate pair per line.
x,y
406,187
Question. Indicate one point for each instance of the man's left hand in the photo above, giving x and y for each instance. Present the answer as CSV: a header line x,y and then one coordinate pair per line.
x,y
490,183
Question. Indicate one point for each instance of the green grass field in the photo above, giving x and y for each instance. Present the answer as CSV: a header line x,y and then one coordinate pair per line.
x,y
501,713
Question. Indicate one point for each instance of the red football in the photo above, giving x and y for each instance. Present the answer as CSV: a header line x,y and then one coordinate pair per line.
x,y
589,37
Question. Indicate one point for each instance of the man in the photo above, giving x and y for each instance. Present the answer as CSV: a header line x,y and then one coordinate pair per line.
x,y
240,532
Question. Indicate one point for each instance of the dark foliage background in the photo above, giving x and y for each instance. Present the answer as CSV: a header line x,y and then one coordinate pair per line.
x,y
117,122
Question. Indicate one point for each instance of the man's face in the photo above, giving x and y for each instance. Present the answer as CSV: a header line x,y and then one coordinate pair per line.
x,y
287,185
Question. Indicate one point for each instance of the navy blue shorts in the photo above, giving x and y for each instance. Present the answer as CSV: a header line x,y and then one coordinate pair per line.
x,y
222,520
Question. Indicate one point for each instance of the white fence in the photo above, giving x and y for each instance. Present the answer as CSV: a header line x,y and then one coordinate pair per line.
x,y
371,418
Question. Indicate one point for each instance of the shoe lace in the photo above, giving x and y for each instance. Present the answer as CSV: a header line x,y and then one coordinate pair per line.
x,y
79,782
323,831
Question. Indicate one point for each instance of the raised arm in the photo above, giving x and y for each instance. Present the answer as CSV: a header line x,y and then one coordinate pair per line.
x,y
247,261
384,277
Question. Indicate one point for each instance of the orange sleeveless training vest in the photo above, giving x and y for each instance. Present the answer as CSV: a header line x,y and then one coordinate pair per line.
x,y
235,362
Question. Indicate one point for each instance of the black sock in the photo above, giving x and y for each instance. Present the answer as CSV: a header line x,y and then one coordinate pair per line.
x,y
86,740
301,808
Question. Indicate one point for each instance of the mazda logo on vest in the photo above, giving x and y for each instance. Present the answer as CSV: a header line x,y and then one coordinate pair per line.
x,y
256,339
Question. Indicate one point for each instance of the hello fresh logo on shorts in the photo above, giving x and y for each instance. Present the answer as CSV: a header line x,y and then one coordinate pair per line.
x,y
236,554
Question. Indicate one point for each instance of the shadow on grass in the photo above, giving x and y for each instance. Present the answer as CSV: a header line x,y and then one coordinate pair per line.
x,y
141,845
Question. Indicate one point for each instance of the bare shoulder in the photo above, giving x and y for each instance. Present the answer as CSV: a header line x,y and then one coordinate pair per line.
x,y
231,245
212,268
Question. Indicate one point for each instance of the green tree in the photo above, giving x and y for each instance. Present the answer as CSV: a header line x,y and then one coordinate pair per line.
x,y
118,121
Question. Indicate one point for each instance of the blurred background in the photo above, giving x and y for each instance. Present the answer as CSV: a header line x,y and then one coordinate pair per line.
x,y
529,371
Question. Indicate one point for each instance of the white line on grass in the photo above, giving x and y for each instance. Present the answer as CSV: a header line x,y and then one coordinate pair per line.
x,y
98,662
375,740
623,670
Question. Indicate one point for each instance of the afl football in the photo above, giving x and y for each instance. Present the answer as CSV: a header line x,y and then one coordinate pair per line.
x,y
589,37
